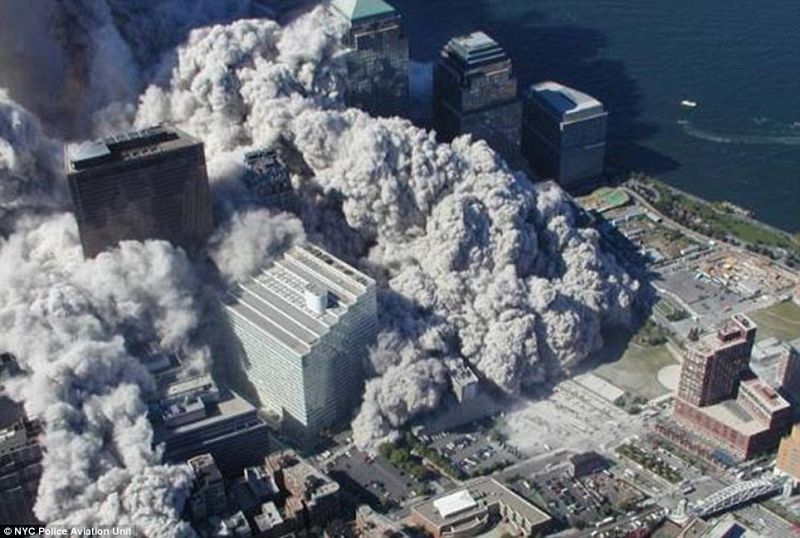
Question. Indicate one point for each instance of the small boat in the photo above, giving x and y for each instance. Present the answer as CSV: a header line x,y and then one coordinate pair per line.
x,y
689,104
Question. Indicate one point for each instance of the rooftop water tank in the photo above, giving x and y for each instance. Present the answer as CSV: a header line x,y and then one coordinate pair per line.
x,y
316,298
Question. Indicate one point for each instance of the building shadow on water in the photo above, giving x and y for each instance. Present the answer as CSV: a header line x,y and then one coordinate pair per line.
x,y
542,49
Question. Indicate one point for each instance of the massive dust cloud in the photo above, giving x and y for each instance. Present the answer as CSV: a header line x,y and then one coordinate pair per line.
x,y
475,262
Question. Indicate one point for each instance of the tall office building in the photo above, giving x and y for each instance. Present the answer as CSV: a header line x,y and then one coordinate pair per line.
x,y
20,471
302,328
148,184
564,134
713,366
475,91
788,461
377,64
719,400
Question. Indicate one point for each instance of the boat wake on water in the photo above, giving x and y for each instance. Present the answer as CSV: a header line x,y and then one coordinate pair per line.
x,y
733,137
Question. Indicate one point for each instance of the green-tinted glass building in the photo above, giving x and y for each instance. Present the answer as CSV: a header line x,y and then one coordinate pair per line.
x,y
377,64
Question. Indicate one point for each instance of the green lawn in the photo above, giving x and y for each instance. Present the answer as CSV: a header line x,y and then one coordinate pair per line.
x,y
781,321
631,366
720,222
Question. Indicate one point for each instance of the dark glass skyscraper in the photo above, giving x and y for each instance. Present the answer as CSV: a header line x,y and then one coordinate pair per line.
x,y
475,91
149,184
564,135
377,65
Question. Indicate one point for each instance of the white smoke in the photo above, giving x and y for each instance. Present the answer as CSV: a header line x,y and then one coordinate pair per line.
x,y
252,240
71,322
28,166
475,261
80,64
492,265
65,319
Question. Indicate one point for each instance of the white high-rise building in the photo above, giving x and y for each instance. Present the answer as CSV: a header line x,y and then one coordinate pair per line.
x,y
304,326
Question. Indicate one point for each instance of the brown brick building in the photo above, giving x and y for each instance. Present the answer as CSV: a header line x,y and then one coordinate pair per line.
x,y
720,400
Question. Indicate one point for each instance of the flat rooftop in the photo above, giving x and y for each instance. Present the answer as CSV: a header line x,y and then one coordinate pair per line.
x,y
460,372
455,503
732,332
733,415
475,49
128,146
276,304
728,527
358,10
318,483
565,102
478,494
767,349
195,384
229,406
765,394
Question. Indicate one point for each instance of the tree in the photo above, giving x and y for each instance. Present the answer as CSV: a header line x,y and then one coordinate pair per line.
x,y
385,450
398,457
694,334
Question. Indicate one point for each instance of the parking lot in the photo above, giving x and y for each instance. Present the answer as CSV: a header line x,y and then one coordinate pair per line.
x,y
373,480
707,299
701,294
475,449
579,502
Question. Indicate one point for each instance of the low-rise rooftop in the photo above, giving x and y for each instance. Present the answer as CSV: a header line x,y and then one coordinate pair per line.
x,y
195,404
733,415
765,394
455,503
468,505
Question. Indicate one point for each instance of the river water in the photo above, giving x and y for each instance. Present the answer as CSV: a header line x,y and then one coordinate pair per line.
x,y
738,59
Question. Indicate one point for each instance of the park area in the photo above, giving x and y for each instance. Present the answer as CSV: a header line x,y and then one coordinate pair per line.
x,y
604,199
632,363
781,321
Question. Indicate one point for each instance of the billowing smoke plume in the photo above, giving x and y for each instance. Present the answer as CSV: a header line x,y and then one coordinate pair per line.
x,y
28,166
475,263
80,63
479,263
253,239
72,323
65,319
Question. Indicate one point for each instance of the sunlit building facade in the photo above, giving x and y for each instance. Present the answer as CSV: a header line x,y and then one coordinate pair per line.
x,y
303,327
